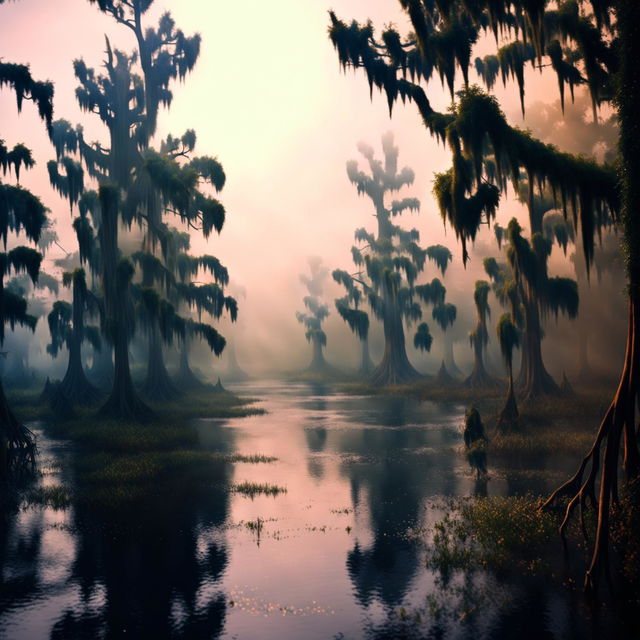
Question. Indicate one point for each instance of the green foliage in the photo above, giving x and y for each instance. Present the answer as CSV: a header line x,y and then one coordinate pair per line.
x,y
69,185
392,260
440,255
481,298
422,339
498,533
561,296
18,78
431,293
59,321
444,314
508,338
579,46
20,211
357,319
206,332
17,158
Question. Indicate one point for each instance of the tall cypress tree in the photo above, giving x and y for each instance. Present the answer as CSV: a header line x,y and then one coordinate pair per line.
x,y
136,182
445,315
67,327
390,261
315,314
479,338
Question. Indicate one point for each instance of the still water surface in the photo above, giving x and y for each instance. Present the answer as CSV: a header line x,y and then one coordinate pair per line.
x,y
339,555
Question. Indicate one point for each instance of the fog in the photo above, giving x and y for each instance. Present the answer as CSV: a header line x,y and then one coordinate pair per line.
x,y
269,99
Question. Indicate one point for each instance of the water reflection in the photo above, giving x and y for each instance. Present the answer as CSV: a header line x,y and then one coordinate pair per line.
x,y
339,554
150,569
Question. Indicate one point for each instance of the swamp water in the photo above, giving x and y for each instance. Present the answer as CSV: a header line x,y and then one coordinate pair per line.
x,y
339,555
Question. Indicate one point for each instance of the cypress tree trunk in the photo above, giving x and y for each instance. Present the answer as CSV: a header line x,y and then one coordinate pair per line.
x,y
395,367
234,370
618,426
157,385
123,402
75,385
444,377
449,360
186,378
366,364
508,418
318,363
101,370
537,381
480,377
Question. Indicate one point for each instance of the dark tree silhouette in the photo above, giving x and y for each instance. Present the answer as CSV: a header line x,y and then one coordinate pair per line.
x,y
445,315
479,338
535,293
509,339
355,317
136,183
390,261
595,43
154,312
67,328
316,314
20,213
17,343
195,297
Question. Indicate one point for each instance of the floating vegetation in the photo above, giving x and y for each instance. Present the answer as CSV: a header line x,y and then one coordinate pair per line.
x,y
55,497
255,458
255,526
341,512
253,489
257,606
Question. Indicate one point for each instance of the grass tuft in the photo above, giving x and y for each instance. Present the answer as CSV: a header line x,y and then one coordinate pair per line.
x,y
55,497
253,489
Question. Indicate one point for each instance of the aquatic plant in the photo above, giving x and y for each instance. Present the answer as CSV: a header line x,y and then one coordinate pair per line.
x,y
253,489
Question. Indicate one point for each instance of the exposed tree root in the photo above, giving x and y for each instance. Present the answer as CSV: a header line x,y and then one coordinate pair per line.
x,y
77,388
508,418
481,379
124,403
127,407
185,379
595,483
158,385
443,378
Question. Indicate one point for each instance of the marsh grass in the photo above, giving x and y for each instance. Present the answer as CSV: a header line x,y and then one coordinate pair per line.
x,y
200,403
55,497
122,463
256,458
253,489
505,534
